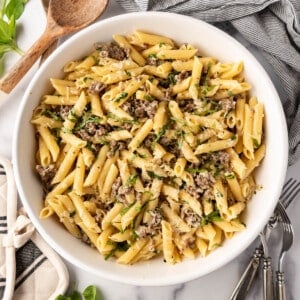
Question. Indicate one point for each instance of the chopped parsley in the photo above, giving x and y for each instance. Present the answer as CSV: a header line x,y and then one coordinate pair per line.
x,y
230,176
89,145
148,97
207,112
103,141
138,208
181,134
141,155
72,213
73,116
86,119
154,175
110,254
125,209
213,216
161,133
56,132
171,78
134,156
52,115
207,89
122,120
134,235
255,143
122,96
86,78
131,180
152,55
219,194
196,170
66,130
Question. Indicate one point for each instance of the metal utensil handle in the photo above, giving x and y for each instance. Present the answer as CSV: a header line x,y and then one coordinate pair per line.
x,y
268,279
280,286
248,276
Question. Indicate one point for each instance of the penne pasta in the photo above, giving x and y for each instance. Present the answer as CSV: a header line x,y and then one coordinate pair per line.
x,y
148,147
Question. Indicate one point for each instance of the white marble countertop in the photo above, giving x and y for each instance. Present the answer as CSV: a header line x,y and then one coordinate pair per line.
x,y
217,285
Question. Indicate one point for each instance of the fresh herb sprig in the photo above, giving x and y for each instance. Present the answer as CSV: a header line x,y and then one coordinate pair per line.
x,y
89,293
10,12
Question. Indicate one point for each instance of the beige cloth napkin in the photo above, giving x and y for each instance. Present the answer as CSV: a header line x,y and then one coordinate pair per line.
x,y
29,268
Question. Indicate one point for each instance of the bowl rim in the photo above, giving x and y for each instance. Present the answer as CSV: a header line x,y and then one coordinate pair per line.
x,y
116,277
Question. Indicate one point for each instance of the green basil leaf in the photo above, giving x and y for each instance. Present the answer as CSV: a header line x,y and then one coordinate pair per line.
x,y
75,296
1,64
15,8
90,293
5,30
12,27
61,297
9,13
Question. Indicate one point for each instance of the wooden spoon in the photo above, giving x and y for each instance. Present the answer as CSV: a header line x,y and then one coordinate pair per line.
x,y
64,17
54,45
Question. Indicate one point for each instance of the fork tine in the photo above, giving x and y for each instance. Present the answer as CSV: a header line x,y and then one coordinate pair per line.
x,y
287,201
286,222
287,242
286,184
289,191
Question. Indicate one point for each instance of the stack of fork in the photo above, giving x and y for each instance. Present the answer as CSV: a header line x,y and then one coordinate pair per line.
x,y
289,192
287,241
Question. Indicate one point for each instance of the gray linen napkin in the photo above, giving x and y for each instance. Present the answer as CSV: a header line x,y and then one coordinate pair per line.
x,y
273,26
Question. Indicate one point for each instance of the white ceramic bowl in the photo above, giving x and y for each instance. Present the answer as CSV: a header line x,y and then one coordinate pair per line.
x,y
211,41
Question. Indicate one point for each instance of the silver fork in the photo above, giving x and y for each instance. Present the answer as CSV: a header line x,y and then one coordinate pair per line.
x,y
268,287
289,192
287,241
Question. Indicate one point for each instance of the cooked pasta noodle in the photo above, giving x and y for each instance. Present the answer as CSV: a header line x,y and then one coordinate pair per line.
x,y
148,147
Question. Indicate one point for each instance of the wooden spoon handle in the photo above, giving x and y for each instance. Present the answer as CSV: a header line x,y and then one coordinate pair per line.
x,y
13,76
49,51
